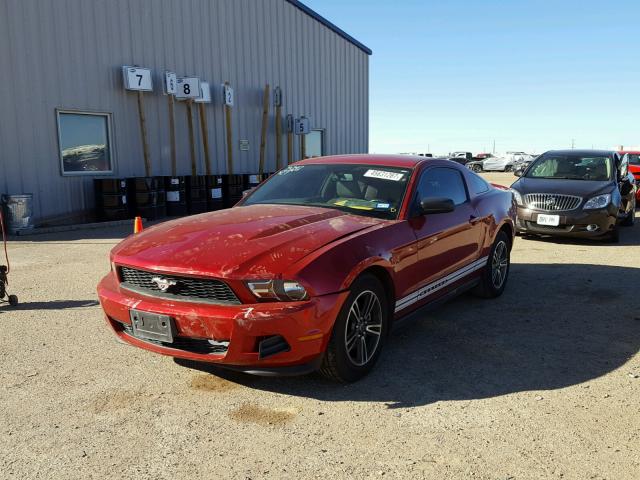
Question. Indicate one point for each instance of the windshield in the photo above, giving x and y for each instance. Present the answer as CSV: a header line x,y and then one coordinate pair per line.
x,y
369,190
634,158
574,167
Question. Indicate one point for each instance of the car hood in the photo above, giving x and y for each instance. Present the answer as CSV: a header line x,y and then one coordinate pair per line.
x,y
579,188
241,242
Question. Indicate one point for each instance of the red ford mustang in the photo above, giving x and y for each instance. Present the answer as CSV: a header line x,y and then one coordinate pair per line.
x,y
311,269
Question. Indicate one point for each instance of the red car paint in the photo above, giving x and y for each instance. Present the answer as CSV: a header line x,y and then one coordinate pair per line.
x,y
323,249
635,170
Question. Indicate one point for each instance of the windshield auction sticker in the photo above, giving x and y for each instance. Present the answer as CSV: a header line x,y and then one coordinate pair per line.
x,y
384,175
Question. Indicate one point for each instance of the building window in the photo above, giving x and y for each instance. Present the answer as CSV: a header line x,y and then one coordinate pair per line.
x,y
85,143
314,146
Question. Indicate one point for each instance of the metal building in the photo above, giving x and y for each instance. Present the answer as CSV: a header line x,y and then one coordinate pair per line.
x,y
62,93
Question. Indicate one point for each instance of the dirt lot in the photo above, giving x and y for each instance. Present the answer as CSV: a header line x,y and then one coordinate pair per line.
x,y
541,383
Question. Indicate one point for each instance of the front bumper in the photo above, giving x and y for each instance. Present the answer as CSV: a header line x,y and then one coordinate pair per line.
x,y
229,335
573,223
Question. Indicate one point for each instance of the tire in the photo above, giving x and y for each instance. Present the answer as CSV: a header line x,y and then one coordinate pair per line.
x,y
476,168
508,168
356,341
630,219
496,273
13,300
613,236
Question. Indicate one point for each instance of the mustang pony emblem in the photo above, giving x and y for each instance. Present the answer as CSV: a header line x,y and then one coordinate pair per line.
x,y
164,284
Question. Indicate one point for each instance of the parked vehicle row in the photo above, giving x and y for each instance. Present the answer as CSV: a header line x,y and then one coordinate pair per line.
x,y
508,162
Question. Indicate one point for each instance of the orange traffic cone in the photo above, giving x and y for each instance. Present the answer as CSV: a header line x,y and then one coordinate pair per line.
x,y
137,225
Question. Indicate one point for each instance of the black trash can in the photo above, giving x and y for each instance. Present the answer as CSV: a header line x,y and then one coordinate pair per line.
x,y
214,192
196,194
176,193
150,198
113,200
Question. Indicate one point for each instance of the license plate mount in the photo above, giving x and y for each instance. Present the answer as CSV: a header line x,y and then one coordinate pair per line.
x,y
548,220
152,326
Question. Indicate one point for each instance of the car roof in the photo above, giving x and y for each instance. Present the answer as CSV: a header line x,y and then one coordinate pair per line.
x,y
581,152
402,161
633,152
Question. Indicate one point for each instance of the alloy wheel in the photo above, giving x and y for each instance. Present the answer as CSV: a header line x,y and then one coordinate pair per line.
x,y
499,264
363,328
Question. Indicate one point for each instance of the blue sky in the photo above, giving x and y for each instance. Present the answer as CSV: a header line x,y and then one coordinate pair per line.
x,y
533,75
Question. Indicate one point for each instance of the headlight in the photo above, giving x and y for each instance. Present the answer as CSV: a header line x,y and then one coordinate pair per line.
x,y
600,201
284,290
517,196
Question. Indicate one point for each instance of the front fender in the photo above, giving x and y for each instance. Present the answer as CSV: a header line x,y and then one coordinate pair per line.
x,y
334,268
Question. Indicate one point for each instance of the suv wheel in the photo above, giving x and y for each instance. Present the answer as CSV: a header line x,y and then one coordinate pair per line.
x,y
630,219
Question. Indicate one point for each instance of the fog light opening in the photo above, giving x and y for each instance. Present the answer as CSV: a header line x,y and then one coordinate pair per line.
x,y
592,228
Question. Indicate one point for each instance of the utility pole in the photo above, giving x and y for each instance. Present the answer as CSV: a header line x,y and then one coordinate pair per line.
x,y
573,143
494,146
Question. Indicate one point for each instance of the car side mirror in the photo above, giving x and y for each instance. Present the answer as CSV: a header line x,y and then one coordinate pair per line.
x,y
432,205
518,172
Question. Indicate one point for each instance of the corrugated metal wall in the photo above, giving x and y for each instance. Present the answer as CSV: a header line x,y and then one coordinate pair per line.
x,y
68,54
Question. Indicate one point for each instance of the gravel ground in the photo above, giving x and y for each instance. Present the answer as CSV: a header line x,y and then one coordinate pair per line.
x,y
543,382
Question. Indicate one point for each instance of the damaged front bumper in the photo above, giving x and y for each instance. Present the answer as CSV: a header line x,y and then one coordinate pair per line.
x,y
260,338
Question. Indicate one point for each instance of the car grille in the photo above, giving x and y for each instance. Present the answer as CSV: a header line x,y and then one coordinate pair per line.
x,y
551,202
185,288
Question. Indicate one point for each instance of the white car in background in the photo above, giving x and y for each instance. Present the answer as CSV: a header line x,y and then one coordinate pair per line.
x,y
504,163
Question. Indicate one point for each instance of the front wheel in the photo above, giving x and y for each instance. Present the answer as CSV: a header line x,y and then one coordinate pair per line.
x,y
630,219
496,272
476,168
359,332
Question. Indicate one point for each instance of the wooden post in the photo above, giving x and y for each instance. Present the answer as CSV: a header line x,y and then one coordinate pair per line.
x,y
143,132
265,124
303,146
278,136
205,137
227,116
172,135
289,139
192,141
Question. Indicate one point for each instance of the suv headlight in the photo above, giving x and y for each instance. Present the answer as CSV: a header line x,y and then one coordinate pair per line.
x,y
518,196
283,290
599,201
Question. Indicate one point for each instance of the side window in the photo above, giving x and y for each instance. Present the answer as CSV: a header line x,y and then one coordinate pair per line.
x,y
477,184
443,182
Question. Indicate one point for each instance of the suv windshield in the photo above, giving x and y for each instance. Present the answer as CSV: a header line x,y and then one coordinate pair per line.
x,y
574,167
369,190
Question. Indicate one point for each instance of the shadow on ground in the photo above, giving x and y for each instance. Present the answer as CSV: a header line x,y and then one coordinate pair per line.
x,y
53,305
555,326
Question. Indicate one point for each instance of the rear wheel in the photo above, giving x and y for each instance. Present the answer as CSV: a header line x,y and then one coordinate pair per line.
x,y
359,332
508,168
13,300
496,272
